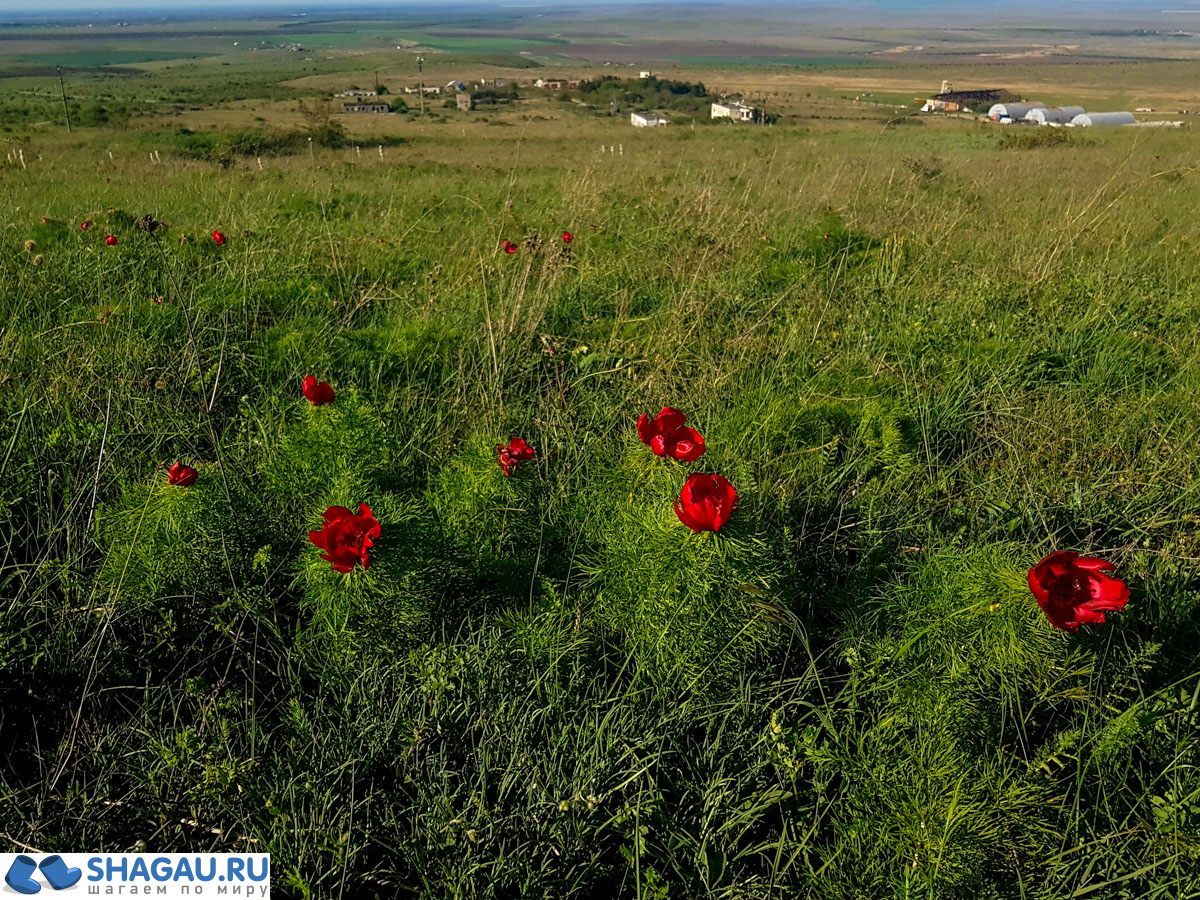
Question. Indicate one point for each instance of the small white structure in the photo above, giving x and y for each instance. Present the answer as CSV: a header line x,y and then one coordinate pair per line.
x,y
1012,111
738,112
1054,115
647,120
355,93
645,73
1086,120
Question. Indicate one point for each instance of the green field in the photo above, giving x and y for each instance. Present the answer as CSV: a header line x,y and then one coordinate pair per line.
x,y
924,352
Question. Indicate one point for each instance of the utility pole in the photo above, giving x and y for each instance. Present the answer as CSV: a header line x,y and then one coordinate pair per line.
x,y
66,111
421,84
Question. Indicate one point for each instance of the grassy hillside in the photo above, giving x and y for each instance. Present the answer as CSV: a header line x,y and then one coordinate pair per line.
x,y
924,360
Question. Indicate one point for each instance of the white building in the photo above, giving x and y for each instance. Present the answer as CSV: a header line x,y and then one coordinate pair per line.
x,y
738,112
1086,120
647,119
1012,111
1054,115
355,93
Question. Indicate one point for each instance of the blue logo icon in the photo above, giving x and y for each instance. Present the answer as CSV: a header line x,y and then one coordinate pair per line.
x,y
54,870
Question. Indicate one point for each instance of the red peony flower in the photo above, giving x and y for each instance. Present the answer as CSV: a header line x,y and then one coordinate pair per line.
x,y
346,538
706,502
1075,590
111,240
219,238
510,247
85,225
318,392
666,435
511,457
566,237
184,476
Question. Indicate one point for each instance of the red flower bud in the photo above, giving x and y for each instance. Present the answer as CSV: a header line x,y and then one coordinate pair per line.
x,y
111,240
566,237
219,238
179,474
511,457
85,225
666,435
346,538
706,502
510,247
1075,590
318,392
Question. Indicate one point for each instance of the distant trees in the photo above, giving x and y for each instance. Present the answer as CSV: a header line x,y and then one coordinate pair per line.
x,y
657,92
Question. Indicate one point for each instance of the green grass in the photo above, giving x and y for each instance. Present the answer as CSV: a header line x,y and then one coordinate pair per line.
x,y
921,368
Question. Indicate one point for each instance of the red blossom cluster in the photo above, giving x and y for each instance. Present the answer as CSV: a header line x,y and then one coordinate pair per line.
x,y
1075,590
181,475
706,502
510,247
346,538
318,393
510,457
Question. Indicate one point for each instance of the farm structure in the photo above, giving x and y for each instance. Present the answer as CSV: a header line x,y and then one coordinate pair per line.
x,y
1086,120
737,112
964,101
368,108
1012,112
647,120
1053,115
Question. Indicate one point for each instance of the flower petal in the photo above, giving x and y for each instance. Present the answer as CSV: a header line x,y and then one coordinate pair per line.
x,y
670,419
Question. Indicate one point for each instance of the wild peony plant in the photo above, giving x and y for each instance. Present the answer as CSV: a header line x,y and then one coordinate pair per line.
x,y
692,607
355,610
320,446
491,512
165,543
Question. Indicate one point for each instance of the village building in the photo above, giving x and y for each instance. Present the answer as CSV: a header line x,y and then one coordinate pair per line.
x,y
355,93
556,84
369,108
647,120
433,89
737,112
464,101
964,101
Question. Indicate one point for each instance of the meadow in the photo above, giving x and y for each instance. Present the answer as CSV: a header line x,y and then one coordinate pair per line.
x,y
925,358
